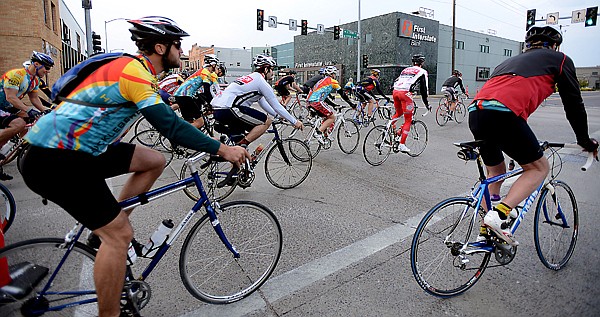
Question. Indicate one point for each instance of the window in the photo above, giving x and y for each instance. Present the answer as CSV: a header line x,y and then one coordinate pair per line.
x,y
594,73
484,48
368,38
45,5
507,52
483,73
239,64
53,11
460,45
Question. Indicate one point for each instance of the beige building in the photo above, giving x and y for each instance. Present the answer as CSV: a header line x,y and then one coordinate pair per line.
x,y
591,75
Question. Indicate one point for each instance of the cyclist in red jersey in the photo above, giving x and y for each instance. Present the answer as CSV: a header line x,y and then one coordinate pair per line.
x,y
499,112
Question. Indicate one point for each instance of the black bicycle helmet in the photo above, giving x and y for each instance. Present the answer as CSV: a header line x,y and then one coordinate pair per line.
x,y
548,34
456,72
155,28
418,58
42,58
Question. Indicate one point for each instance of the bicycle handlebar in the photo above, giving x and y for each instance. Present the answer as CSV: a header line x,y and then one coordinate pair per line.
x,y
590,155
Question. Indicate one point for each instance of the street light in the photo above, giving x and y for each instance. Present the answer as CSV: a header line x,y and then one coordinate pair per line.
x,y
106,34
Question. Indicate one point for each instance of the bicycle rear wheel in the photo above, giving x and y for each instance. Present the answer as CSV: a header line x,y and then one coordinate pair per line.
x,y
210,175
292,173
8,208
208,269
154,140
460,113
438,264
32,262
377,145
556,225
417,138
348,136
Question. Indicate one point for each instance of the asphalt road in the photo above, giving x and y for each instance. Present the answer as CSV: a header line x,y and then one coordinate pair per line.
x,y
347,232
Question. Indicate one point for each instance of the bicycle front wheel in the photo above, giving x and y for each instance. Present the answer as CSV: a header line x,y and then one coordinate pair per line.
x,y
288,163
32,263
417,138
439,263
460,113
377,145
556,225
8,208
211,173
348,136
208,269
441,113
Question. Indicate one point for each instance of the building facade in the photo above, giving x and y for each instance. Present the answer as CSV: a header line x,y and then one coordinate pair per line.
x,y
73,39
589,74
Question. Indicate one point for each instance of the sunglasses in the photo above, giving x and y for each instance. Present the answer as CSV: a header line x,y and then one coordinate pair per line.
x,y
177,44
47,67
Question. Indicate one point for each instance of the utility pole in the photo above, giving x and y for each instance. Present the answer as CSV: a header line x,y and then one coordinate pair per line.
x,y
358,49
453,33
87,6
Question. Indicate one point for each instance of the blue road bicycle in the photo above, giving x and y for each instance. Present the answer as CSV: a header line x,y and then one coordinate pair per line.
x,y
446,257
228,254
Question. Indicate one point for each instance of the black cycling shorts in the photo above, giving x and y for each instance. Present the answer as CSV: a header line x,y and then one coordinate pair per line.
x,y
364,96
191,108
503,131
76,181
6,120
282,91
239,120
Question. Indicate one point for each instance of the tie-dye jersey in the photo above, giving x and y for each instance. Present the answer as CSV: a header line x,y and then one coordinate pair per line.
x,y
323,88
20,80
92,129
194,83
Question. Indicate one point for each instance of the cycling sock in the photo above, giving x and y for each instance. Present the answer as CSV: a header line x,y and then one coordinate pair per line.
x,y
503,210
243,141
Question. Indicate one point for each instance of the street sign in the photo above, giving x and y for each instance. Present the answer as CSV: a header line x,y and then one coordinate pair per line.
x,y
272,21
320,29
552,18
349,34
293,25
578,16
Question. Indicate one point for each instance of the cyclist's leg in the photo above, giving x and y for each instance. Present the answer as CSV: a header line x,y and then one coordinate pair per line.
x,y
407,109
146,165
253,120
396,95
10,126
190,110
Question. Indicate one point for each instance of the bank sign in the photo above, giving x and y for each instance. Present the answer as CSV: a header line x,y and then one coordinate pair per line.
x,y
407,28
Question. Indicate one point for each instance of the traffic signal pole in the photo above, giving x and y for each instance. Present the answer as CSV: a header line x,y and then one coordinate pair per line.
x,y
358,48
87,6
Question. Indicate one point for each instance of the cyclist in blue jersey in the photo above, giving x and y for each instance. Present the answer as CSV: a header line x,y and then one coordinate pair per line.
x,y
73,148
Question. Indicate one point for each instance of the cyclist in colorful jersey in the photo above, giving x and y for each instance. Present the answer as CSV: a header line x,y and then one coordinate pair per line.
x,y
77,142
233,106
283,86
450,88
404,86
319,96
14,86
499,112
198,90
170,83
364,91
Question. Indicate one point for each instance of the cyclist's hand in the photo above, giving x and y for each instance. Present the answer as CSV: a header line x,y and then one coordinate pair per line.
x,y
428,108
32,113
299,125
591,146
234,154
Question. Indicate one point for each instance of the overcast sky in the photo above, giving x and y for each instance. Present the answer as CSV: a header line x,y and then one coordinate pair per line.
x,y
232,23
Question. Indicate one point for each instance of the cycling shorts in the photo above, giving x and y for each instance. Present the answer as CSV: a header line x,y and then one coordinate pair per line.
x,y
503,131
191,108
320,108
364,96
6,120
238,120
449,91
282,91
76,180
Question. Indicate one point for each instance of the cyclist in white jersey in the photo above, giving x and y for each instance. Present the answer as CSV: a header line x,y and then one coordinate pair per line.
x,y
404,86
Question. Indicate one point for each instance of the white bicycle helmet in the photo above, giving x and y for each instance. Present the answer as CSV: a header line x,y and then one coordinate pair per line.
x,y
263,60
210,59
330,70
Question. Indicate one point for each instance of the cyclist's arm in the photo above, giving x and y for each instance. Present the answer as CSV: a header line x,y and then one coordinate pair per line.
x,y
270,103
177,130
462,87
35,101
423,89
377,84
345,97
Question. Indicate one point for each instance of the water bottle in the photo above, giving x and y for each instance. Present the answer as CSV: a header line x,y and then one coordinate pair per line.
x,y
7,147
257,151
131,254
158,238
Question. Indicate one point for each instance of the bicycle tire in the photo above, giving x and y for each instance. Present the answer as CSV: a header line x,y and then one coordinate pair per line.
x,y
307,137
76,274
348,136
441,113
299,110
377,145
435,268
153,139
417,139
460,113
142,125
210,176
8,208
24,148
283,175
555,233
208,269
384,113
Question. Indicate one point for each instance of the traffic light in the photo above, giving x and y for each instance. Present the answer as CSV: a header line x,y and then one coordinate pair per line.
x,y
591,16
260,14
530,18
365,61
96,43
336,32
304,27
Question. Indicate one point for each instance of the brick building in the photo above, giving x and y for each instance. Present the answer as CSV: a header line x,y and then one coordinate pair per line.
x,y
196,57
30,25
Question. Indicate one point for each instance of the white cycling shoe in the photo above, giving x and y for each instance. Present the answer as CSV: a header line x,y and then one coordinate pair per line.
x,y
493,222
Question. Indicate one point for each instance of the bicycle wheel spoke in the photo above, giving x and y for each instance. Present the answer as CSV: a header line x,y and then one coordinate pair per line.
x,y
283,175
377,145
417,138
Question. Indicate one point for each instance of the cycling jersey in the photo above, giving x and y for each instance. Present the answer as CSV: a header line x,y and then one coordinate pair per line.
x,y
312,81
454,82
170,83
322,89
19,79
409,78
92,129
202,82
246,90
284,81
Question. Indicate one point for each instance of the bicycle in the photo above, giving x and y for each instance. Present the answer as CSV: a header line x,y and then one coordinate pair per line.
x,y
287,164
55,274
442,113
381,140
360,117
447,259
298,107
348,133
8,208
151,138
